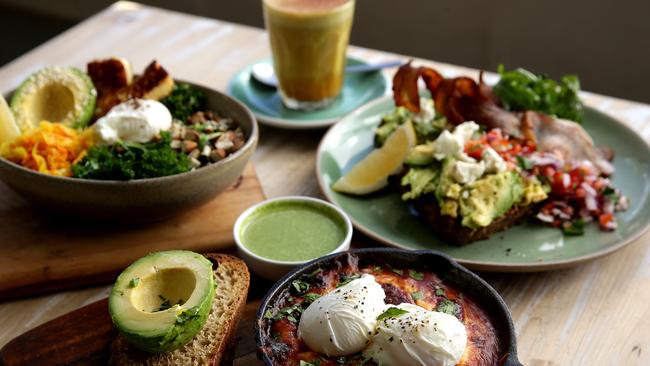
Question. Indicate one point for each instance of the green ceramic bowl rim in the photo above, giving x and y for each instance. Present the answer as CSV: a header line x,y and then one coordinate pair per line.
x,y
251,142
236,229
298,124
479,265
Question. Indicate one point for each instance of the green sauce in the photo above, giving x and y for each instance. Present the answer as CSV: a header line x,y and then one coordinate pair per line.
x,y
292,231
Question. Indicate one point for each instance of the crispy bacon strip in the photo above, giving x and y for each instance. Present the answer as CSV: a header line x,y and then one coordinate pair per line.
x,y
463,99
405,87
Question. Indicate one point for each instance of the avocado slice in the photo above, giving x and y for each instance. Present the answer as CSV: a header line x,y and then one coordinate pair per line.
x,y
55,94
420,155
162,300
490,197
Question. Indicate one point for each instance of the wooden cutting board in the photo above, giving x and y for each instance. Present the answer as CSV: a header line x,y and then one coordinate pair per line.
x,y
83,338
40,254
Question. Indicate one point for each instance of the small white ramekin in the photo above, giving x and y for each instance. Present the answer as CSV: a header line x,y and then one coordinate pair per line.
x,y
274,269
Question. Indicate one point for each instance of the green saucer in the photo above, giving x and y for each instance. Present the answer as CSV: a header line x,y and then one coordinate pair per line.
x,y
527,247
267,106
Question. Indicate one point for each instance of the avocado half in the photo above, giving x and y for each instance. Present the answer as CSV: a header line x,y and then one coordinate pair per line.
x,y
55,94
162,300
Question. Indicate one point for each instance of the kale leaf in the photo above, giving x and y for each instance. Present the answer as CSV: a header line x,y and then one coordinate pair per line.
x,y
184,101
127,161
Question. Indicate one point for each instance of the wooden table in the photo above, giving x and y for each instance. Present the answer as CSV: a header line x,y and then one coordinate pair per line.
x,y
594,314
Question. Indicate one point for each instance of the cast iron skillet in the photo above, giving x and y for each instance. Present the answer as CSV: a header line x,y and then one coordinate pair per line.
x,y
446,268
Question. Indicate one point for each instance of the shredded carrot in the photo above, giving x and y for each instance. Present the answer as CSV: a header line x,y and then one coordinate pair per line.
x,y
51,148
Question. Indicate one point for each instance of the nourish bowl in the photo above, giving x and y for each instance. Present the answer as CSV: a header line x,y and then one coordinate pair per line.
x,y
415,283
139,200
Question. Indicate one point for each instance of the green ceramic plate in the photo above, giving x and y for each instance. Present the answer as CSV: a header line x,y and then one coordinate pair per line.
x,y
527,247
265,102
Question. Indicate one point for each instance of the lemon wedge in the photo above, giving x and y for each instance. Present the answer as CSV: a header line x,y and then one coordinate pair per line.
x,y
8,128
371,174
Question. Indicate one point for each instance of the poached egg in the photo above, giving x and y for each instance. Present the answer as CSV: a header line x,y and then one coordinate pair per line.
x,y
136,120
418,338
341,322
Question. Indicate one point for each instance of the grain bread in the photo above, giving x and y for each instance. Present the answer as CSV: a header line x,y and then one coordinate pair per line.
x,y
210,344
450,229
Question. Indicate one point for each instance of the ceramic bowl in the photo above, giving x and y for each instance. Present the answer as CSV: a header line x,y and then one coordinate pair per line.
x,y
446,268
141,200
274,269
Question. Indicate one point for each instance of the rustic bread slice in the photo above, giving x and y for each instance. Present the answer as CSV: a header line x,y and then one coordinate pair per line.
x,y
209,345
453,232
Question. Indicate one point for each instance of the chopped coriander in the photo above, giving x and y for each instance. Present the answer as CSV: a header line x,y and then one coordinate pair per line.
x,y
418,295
345,279
398,271
288,312
440,291
419,276
447,306
576,227
134,282
313,363
524,163
391,312
300,286
310,297
314,273
268,314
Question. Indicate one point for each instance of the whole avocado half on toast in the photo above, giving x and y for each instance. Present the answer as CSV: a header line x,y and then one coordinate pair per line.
x,y
162,300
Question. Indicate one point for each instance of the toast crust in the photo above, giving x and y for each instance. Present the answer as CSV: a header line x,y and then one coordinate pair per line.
x,y
453,232
123,354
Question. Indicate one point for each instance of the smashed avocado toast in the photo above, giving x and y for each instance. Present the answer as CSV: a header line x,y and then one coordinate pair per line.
x,y
482,163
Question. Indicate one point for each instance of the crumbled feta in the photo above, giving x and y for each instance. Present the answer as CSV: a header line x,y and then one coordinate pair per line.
x,y
453,144
427,111
465,131
447,145
464,172
494,163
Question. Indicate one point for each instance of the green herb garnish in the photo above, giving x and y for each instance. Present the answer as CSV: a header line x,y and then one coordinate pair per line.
x,y
310,297
391,312
447,306
419,276
288,312
398,271
300,286
524,163
576,227
127,161
440,291
313,363
134,282
345,279
418,295
184,101
521,90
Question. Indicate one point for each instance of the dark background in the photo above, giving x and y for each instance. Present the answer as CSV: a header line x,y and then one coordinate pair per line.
x,y
605,42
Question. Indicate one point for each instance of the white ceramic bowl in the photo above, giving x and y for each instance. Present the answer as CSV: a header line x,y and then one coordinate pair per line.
x,y
274,269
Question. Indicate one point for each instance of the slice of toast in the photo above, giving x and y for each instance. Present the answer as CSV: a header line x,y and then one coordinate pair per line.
x,y
450,229
210,344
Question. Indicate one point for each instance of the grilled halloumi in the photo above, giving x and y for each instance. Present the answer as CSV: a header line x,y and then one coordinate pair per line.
x,y
154,83
110,74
